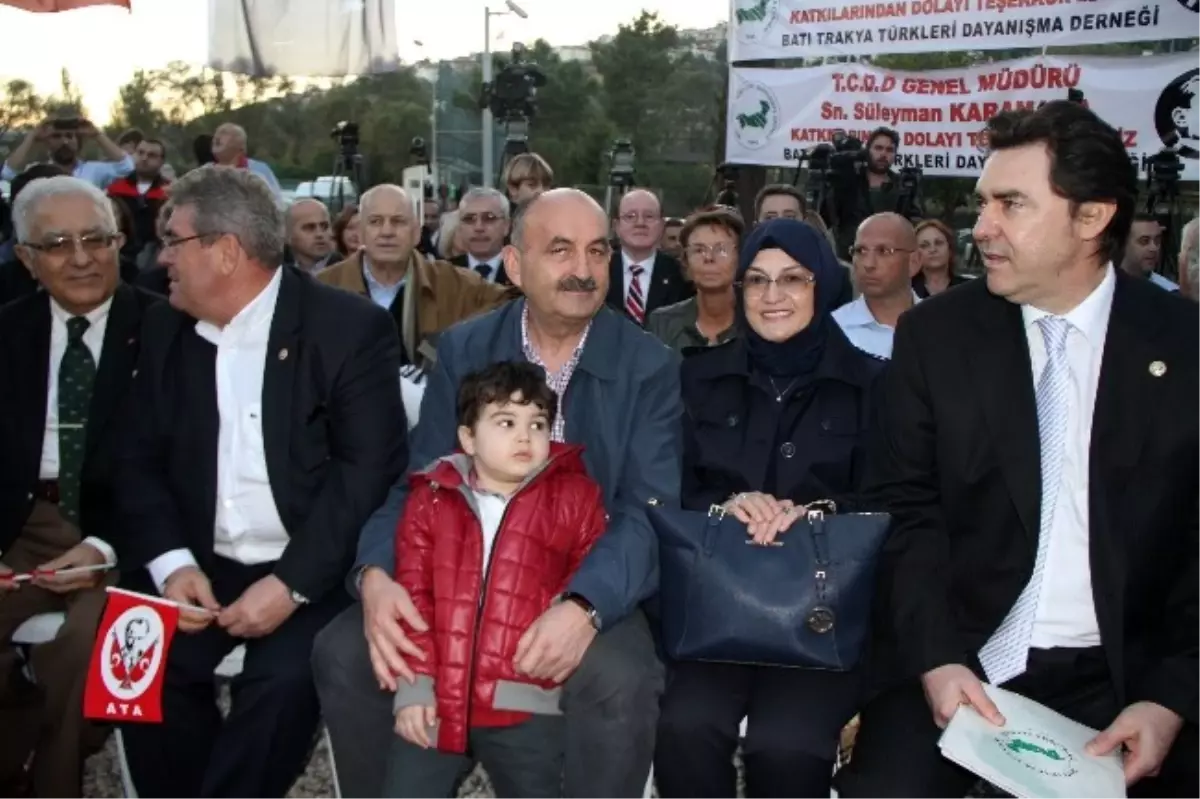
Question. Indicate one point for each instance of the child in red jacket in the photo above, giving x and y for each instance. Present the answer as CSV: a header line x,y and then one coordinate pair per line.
x,y
489,539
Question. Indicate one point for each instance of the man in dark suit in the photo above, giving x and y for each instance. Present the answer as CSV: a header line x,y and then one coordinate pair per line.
x,y
642,278
483,218
66,357
1039,459
268,425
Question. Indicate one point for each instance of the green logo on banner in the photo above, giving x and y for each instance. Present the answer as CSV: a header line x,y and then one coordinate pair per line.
x,y
754,19
754,116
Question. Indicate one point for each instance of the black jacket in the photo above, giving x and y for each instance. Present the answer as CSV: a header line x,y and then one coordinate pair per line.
x,y
334,433
738,438
667,285
959,470
24,371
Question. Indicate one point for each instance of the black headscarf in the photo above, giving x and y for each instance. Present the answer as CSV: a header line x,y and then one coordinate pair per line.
x,y
798,356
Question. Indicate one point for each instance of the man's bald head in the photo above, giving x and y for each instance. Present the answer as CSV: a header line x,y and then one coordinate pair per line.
x,y
308,231
640,198
229,143
894,226
550,202
387,224
389,193
303,207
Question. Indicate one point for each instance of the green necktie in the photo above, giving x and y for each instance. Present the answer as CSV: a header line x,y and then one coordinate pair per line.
x,y
76,374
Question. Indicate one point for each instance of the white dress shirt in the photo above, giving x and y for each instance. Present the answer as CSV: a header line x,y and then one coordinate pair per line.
x,y
864,331
93,338
1066,612
247,527
644,279
381,295
494,265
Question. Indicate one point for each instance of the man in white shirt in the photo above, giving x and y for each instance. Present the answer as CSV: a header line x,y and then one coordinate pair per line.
x,y
63,139
267,426
885,260
66,356
1038,458
484,218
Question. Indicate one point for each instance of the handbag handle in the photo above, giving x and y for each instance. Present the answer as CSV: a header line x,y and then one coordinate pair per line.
x,y
821,618
716,514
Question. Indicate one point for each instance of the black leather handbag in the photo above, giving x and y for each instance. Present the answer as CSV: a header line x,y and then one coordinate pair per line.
x,y
803,601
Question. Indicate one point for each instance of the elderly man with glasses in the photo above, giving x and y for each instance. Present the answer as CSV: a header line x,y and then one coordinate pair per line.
x,y
66,356
642,278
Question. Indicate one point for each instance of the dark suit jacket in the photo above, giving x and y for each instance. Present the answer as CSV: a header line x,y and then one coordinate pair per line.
x,y
667,285
24,373
465,263
959,468
333,422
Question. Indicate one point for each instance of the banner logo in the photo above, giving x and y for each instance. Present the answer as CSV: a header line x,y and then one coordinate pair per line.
x,y
753,19
1191,5
134,649
1177,115
755,116
1037,752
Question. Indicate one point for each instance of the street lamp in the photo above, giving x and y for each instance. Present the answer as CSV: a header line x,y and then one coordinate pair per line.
x,y
488,123
433,121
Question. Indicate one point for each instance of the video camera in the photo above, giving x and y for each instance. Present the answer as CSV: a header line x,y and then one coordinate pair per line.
x,y
621,164
346,135
512,95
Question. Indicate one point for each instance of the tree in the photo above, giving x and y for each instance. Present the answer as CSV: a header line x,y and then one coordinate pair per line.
x,y
68,101
21,107
135,106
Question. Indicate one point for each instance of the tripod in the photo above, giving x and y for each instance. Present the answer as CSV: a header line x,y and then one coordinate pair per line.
x,y
516,140
347,164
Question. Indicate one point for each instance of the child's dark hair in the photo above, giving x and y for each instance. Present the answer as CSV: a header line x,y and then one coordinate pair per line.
x,y
498,383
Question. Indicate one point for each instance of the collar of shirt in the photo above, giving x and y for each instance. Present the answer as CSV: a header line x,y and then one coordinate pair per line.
x,y
531,353
858,314
250,320
94,316
646,264
492,262
1089,317
373,285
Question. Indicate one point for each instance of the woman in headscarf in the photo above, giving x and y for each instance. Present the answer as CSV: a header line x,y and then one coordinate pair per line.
x,y
774,420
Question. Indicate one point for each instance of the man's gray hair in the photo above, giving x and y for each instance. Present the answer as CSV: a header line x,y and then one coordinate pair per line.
x,y
31,197
236,202
481,193
1189,238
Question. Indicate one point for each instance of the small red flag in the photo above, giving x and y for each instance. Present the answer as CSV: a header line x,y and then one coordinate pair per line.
x,y
50,6
129,658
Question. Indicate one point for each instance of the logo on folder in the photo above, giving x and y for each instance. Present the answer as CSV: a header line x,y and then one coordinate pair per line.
x,y
1037,752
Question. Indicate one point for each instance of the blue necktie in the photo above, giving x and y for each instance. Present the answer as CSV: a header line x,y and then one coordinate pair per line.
x,y
1006,653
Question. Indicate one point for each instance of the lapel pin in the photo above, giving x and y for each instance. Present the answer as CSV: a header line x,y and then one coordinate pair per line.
x,y
283,354
131,341
134,373
1158,368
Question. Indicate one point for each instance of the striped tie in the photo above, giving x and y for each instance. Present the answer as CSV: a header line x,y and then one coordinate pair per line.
x,y
1006,653
635,303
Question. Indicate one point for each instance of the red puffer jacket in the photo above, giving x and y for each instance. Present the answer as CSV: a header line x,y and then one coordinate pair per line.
x,y
477,616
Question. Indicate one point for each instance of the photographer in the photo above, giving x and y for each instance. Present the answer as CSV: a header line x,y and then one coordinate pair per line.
x,y
63,138
860,192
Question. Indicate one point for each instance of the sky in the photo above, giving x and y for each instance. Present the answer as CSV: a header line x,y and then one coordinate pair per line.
x,y
102,46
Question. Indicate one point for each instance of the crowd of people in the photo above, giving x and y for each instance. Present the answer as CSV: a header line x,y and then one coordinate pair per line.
x,y
404,455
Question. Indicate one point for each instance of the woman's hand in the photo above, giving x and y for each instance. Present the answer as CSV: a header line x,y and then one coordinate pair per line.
x,y
764,516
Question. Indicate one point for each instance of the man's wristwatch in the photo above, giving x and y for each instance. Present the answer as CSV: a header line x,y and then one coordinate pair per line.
x,y
587,607
299,598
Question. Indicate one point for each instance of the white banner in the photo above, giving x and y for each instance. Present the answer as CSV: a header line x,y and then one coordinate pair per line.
x,y
820,28
777,114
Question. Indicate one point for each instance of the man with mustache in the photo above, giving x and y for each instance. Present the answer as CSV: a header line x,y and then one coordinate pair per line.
x,y
619,397
63,139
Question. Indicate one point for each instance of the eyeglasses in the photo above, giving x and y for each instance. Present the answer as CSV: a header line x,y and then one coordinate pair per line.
x,y
793,284
860,251
170,242
704,251
486,218
91,243
632,217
